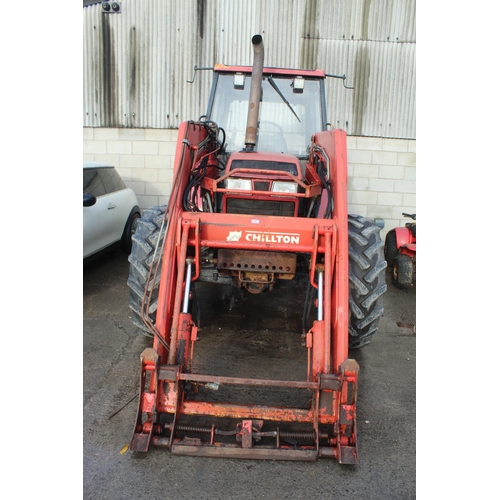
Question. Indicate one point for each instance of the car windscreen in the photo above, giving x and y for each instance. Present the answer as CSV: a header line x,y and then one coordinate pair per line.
x,y
92,182
101,181
112,180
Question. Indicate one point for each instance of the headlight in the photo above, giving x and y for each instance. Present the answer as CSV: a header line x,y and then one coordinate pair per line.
x,y
241,184
284,187
239,81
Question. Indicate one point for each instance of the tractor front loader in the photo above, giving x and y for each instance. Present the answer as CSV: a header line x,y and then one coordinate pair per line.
x,y
259,202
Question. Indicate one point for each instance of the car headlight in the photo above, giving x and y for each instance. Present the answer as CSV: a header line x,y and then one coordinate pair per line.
x,y
284,187
241,184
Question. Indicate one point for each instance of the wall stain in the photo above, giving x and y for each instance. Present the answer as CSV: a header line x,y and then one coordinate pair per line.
x,y
201,45
200,13
362,70
134,78
201,18
109,86
365,19
310,36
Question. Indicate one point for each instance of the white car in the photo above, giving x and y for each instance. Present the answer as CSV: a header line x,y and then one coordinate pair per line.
x,y
110,209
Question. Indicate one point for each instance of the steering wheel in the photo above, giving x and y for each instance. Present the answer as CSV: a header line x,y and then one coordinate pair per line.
x,y
272,124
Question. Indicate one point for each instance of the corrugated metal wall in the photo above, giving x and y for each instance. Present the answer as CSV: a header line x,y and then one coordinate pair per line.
x,y
136,63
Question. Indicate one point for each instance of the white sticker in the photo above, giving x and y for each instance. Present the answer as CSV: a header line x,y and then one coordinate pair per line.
x,y
272,237
234,236
255,221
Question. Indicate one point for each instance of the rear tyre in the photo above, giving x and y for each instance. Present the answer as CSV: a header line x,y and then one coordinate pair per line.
x,y
390,248
147,237
366,280
402,272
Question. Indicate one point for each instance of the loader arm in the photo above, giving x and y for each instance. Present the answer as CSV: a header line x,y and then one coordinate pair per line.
x,y
167,367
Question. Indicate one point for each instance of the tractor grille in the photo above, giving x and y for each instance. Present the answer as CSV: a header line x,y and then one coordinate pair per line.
x,y
260,207
265,165
261,185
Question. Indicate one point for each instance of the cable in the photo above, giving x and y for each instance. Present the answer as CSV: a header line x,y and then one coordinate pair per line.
x,y
322,168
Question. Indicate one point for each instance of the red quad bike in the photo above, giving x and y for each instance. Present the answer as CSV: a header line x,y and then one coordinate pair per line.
x,y
400,252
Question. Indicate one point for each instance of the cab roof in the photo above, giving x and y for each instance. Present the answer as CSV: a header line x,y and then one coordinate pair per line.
x,y
309,73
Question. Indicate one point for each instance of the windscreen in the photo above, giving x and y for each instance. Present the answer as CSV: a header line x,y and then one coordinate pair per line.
x,y
287,117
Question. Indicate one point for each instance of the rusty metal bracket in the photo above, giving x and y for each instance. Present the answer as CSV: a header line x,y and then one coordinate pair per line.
x,y
347,448
329,381
143,431
168,372
198,69
257,261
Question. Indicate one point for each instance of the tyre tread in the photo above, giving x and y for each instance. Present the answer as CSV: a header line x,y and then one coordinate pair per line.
x,y
141,260
366,280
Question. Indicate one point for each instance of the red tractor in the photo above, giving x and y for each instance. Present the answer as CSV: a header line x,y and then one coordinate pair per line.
x,y
400,251
259,203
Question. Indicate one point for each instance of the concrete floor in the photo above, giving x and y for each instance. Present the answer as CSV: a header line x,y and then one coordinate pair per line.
x,y
386,410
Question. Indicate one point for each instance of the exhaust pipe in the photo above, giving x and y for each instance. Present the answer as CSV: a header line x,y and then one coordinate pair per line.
x,y
255,94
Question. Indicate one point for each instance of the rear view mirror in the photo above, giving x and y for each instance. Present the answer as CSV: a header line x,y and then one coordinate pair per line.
x,y
88,200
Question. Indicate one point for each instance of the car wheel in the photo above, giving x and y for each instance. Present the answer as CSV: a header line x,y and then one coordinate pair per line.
x,y
129,231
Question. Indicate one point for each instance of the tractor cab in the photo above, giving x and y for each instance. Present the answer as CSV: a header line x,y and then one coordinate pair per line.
x,y
268,117
292,108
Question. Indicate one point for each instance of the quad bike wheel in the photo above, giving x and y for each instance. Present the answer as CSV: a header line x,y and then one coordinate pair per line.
x,y
147,237
402,272
390,247
366,280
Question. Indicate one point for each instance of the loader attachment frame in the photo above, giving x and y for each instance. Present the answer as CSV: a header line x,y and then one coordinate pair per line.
x,y
327,427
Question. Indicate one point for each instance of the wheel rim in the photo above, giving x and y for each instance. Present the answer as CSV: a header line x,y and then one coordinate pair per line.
x,y
133,228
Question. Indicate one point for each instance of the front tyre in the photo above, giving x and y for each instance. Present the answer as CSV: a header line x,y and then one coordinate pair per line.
x,y
390,247
147,245
366,280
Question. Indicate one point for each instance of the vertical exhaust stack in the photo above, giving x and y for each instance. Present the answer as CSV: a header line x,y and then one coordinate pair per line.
x,y
255,94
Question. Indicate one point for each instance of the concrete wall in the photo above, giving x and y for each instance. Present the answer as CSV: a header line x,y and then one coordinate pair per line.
x,y
382,179
382,172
